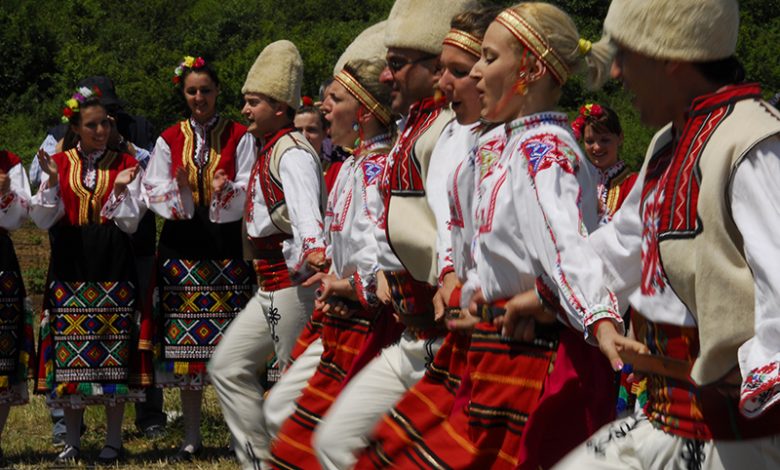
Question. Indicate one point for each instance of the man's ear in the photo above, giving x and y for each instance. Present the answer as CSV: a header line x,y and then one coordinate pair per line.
x,y
280,109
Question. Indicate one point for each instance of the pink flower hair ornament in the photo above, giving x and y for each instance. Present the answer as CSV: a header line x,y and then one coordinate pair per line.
x,y
587,111
189,62
73,105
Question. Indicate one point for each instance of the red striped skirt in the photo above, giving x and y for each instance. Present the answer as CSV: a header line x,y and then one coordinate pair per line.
x,y
342,339
422,408
503,386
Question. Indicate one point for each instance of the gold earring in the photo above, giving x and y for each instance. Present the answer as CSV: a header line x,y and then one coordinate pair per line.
x,y
521,85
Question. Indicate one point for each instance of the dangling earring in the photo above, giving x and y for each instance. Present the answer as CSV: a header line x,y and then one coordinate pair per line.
x,y
355,126
521,85
438,95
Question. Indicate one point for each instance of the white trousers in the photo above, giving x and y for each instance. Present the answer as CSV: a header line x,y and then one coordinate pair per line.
x,y
346,427
633,443
270,322
280,401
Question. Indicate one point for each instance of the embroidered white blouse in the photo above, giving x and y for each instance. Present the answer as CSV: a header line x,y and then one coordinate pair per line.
x,y
15,205
534,205
351,219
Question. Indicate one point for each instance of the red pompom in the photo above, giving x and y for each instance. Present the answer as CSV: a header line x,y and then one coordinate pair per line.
x,y
307,101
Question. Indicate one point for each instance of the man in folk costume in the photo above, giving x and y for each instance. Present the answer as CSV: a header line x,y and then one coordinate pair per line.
x,y
283,216
696,236
407,236
332,340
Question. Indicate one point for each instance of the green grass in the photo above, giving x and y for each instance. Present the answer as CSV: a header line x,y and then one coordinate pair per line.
x,y
26,439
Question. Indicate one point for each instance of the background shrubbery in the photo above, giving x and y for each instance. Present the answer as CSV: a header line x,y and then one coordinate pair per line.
x,y
46,46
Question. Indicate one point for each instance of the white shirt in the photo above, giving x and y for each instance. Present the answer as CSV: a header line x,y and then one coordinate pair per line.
x,y
755,206
534,204
300,175
455,142
162,194
15,206
351,221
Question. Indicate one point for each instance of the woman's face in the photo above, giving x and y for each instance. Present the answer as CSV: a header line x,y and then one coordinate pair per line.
x,y
310,125
341,111
201,92
93,129
497,72
601,147
460,88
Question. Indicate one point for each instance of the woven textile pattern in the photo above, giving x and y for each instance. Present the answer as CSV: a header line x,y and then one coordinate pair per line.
x,y
11,311
199,299
92,326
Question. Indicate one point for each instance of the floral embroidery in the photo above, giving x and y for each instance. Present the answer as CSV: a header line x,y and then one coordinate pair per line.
x,y
545,150
760,390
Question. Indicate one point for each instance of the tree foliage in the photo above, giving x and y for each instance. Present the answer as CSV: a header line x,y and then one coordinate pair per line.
x,y
47,46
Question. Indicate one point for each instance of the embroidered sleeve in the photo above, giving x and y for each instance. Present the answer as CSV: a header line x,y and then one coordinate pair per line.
x,y
46,207
127,209
301,179
754,194
559,234
228,204
15,205
365,289
160,191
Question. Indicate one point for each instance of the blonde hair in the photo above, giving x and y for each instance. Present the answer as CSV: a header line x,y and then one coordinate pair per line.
x,y
559,31
367,72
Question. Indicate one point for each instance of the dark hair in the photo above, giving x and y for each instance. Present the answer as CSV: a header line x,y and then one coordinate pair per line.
x,y
722,72
475,22
205,68
316,112
71,138
608,121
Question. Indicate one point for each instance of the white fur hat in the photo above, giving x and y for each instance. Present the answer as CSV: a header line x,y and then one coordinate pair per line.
x,y
370,44
277,73
686,30
422,24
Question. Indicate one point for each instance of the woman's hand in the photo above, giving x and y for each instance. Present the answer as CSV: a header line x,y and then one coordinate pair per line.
x,y
612,343
316,260
383,288
48,166
442,297
124,178
182,178
219,181
523,312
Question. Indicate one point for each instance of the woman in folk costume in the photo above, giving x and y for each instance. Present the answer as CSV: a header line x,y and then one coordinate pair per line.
x,y
90,351
430,400
695,247
357,107
283,214
17,334
599,129
202,278
534,203
407,235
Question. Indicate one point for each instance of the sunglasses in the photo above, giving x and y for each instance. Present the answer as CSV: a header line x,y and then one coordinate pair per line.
x,y
396,63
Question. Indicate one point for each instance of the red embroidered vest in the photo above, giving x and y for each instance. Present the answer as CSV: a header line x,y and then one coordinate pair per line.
x,y
222,140
82,205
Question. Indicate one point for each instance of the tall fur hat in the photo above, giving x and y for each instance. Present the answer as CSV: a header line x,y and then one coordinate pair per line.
x,y
422,24
685,30
277,73
369,44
